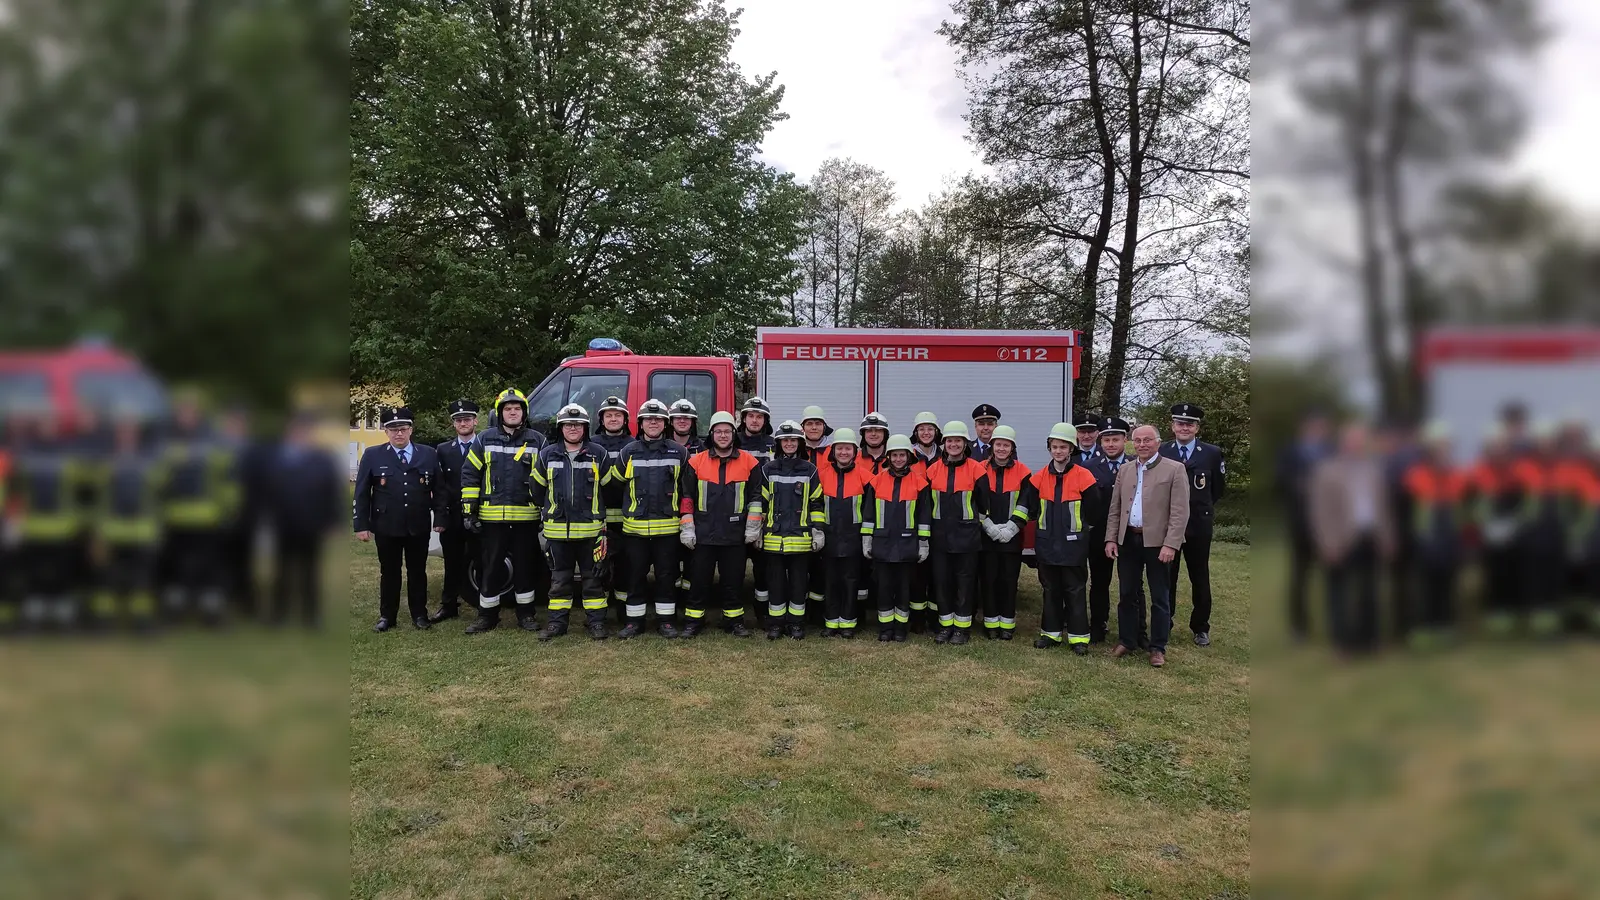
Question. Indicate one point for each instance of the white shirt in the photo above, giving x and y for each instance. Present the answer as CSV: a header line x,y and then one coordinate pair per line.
x,y
1136,511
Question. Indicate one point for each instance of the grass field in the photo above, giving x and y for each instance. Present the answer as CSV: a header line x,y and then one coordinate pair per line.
x,y
496,766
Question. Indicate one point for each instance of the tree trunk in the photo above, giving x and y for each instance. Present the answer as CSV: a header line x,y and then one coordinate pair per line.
x,y
1122,318
1363,123
1087,313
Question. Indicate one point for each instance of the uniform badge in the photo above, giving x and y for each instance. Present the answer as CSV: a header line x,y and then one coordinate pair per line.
x,y
383,477
1199,481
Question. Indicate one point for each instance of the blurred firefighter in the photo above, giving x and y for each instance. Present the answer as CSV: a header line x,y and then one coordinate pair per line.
x,y
304,492
1113,445
201,499
1001,561
844,481
457,545
614,435
651,467
1496,508
1401,448
47,487
984,419
1351,522
791,531
1295,464
248,459
1577,485
895,534
1087,428
1435,490
398,499
960,501
754,437
126,523
497,505
926,442
1208,480
721,513
1542,539
568,478
8,565
1055,498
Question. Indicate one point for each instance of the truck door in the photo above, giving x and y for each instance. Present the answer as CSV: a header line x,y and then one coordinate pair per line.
x,y
699,386
587,387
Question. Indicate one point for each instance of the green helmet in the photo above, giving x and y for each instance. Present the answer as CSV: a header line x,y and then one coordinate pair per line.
x,y
1005,433
844,435
1061,431
812,412
723,417
898,442
925,418
956,429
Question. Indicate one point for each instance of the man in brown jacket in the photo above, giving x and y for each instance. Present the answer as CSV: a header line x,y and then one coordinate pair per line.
x,y
1144,529
1352,526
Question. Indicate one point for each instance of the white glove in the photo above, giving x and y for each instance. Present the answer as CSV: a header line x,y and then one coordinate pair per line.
x,y
922,551
1007,530
991,529
752,530
686,531
817,539
1499,532
866,545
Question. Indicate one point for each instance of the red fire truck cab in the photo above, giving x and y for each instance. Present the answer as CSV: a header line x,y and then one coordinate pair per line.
x,y
88,376
608,368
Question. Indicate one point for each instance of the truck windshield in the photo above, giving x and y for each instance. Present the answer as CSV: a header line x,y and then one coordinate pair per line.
x,y
23,391
123,392
586,387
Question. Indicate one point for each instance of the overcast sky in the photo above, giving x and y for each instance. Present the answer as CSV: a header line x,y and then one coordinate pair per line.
x,y
1565,134
867,80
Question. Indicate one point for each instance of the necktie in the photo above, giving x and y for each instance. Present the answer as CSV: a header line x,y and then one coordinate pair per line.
x,y
405,457
1185,454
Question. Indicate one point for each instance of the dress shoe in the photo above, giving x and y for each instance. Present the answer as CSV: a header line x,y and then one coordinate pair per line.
x,y
960,636
1120,651
445,612
630,629
797,632
421,623
667,630
484,622
1157,658
383,625
739,630
1203,639
597,631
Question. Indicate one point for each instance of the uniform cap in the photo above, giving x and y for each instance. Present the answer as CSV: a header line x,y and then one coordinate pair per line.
x,y
395,415
1089,421
1115,425
984,411
1061,431
844,436
572,414
1187,412
460,409
813,412
1005,433
898,442
956,429
723,417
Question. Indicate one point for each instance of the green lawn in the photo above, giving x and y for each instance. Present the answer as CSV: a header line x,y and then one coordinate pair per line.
x,y
496,766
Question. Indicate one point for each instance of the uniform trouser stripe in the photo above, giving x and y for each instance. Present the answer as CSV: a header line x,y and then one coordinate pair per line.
x,y
666,609
635,610
1077,638
488,602
523,599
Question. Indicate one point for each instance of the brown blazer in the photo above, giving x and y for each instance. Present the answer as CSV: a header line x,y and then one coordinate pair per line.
x,y
1331,506
1165,501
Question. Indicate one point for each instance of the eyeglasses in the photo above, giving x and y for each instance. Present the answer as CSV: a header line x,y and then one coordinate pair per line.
x,y
397,428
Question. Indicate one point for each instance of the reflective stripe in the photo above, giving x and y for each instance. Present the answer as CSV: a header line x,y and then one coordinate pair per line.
x,y
488,602
814,597
681,584
991,622
963,621
650,527
635,610
500,448
832,623
559,603
594,603
886,615
919,606
902,616
797,609
847,623
733,613
775,609
947,621
966,504
573,531
652,463
1052,635
694,613
666,609
1020,510
469,493
525,599
1007,624
861,594
761,595
562,464
1077,638
788,479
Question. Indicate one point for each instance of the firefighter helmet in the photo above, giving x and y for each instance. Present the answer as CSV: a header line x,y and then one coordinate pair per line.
x,y
510,395
898,442
844,436
874,420
723,417
812,412
789,428
614,402
1061,431
652,409
957,429
1005,433
684,409
572,414
755,405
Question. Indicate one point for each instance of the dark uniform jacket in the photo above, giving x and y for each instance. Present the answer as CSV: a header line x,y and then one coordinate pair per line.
x,y
843,493
960,496
980,450
497,482
651,470
1098,508
1056,501
758,445
452,459
305,491
1005,491
395,499
898,512
791,503
567,490
1208,480
721,492
614,493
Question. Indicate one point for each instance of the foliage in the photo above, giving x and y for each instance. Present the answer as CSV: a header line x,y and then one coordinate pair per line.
x,y
1220,385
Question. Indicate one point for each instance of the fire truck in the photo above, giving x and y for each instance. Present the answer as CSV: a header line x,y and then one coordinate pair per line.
x,y
88,375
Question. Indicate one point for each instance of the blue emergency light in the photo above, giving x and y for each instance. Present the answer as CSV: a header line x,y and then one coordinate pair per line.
x,y
606,344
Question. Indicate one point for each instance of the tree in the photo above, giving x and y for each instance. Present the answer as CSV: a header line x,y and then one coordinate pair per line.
x,y
530,173
1218,384
849,215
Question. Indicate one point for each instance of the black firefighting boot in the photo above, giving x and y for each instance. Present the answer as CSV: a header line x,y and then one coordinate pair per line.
x,y
488,619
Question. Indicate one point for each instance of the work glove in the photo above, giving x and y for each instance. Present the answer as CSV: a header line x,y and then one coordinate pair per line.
x,y
817,539
866,545
1007,531
600,549
752,529
468,523
992,530
686,534
922,551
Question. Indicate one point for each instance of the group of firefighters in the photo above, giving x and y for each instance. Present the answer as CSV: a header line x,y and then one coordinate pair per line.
x,y
123,523
917,532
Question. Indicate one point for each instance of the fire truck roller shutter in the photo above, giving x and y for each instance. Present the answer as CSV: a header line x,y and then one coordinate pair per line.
x,y
1468,394
1031,396
838,386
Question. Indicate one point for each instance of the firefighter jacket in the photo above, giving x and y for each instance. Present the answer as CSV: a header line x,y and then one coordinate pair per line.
x,y
1005,489
843,493
567,490
1056,501
497,481
614,493
922,461
651,470
693,445
128,494
721,492
899,509
874,464
203,490
47,485
1437,500
791,499
960,496
758,445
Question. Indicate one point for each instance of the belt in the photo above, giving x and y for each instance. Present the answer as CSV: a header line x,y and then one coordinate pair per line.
x,y
1136,529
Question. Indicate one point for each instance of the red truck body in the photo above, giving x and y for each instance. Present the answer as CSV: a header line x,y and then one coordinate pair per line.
x,y
67,382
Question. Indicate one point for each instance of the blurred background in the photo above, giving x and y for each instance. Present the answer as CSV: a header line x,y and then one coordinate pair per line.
x,y
173,361
1426,249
